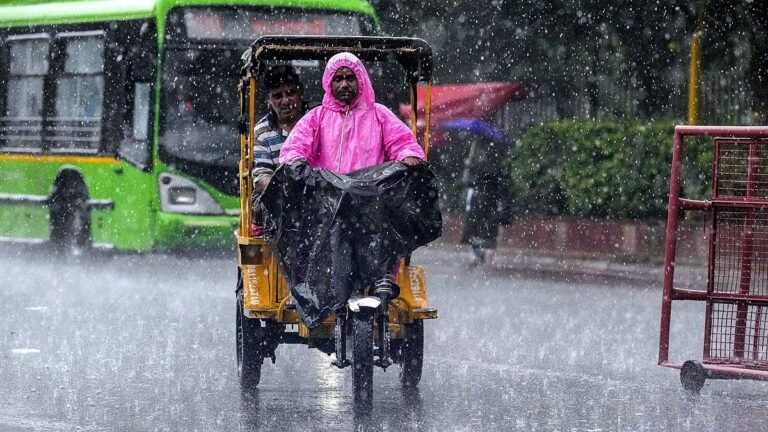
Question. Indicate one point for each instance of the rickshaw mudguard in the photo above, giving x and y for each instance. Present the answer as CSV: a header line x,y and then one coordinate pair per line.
x,y
262,282
412,301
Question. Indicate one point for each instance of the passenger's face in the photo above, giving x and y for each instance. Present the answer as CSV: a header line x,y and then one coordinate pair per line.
x,y
344,85
286,101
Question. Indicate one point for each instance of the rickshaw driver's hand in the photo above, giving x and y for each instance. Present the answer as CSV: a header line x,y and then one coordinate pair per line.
x,y
262,183
412,161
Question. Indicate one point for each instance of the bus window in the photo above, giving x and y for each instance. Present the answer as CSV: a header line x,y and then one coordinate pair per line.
x,y
134,146
76,124
141,101
200,106
135,122
22,124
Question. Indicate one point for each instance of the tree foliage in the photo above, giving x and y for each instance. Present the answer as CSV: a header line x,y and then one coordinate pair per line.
x,y
616,169
564,46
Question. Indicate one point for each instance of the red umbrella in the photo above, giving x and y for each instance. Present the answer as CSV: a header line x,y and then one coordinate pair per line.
x,y
451,101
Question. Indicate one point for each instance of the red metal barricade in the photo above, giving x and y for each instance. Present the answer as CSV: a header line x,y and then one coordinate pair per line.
x,y
736,295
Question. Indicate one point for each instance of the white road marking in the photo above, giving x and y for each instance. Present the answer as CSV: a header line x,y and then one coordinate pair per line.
x,y
25,351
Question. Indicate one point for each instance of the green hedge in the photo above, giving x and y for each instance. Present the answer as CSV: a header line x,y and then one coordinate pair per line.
x,y
615,169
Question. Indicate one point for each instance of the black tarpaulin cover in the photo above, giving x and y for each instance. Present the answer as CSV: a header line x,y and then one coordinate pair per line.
x,y
337,233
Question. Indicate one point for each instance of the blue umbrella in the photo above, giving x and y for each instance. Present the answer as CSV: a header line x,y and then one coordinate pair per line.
x,y
478,127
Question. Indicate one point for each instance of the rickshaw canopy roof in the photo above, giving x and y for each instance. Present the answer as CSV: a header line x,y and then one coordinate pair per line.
x,y
413,54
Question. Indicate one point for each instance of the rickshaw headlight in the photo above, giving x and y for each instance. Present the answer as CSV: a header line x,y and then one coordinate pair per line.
x,y
181,195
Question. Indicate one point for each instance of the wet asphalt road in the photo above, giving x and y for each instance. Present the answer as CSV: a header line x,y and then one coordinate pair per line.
x,y
146,343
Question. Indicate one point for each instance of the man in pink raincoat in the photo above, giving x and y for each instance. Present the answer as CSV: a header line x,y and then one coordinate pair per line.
x,y
350,130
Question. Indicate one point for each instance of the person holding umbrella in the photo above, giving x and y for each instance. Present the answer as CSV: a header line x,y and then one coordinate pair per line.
x,y
488,197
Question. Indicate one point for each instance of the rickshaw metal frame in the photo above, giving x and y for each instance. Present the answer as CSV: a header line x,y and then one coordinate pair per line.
x,y
693,373
265,290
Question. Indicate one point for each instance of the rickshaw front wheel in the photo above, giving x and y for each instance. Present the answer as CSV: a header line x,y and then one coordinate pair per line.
x,y
412,354
362,359
250,338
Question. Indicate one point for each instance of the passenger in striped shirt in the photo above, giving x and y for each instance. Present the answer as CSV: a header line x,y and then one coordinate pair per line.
x,y
285,95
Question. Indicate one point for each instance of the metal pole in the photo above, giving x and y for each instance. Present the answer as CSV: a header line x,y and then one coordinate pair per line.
x,y
694,74
670,245
243,232
747,239
414,108
427,105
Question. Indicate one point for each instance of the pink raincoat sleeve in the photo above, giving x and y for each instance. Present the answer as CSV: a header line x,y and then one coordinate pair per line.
x,y
399,142
301,139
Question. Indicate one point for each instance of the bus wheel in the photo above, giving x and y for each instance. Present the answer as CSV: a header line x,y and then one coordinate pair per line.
x,y
70,224
412,354
250,339
362,360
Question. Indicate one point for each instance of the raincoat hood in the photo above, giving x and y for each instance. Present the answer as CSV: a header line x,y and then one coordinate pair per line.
x,y
344,138
365,96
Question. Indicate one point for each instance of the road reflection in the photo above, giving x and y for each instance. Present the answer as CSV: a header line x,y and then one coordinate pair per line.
x,y
250,408
401,414
395,410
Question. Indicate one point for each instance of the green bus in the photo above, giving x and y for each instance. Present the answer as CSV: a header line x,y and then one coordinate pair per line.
x,y
118,119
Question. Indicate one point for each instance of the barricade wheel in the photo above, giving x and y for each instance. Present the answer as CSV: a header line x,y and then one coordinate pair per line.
x,y
362,359
249,338
692,376
412,354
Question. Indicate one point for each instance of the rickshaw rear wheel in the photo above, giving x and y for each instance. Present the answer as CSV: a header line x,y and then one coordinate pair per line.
x,y
249,338
412,354
362,359
692,376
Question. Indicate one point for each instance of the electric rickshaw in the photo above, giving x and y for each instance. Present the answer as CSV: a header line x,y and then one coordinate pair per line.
x,y
378,328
